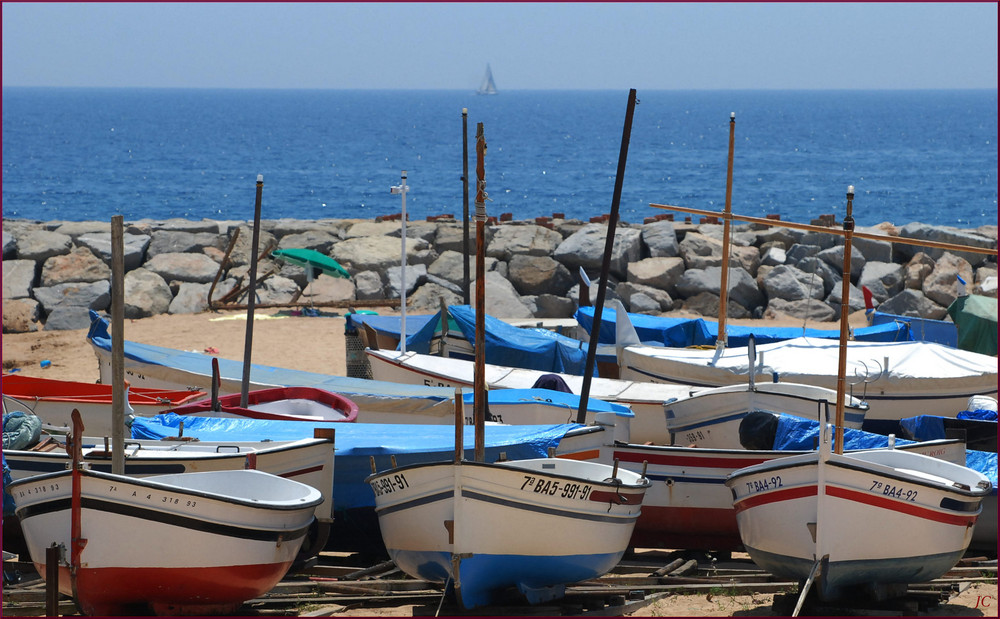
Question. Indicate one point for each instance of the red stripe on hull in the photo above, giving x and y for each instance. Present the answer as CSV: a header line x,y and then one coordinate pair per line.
x,y
912,509
169,591
790,494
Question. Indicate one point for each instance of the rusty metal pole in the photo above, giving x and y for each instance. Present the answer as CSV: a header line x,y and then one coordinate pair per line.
x,y
722,339
479,384
248,345
602,286
845,298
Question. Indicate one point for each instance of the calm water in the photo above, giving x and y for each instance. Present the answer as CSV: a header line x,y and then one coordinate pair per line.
x,y
79,154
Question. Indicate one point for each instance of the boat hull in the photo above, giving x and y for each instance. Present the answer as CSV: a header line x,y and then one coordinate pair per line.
x,y
925,509
711,418
488,527
174,544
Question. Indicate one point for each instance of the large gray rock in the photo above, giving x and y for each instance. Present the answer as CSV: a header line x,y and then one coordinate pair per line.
x,y
192,298
551,306
448,266
942,234
586,249
68,318
707,304
856,299
872,250
742,287
80,265
416,276
913,303
834,257
177,224
813,265
376,253
196,268
791,284
74,229
328,290
9,246
40,245
884,279
802,309
450,237
133,247
146,294
241,254
700,251
21,315
641,299
942,285
179,242
427,299
369,286
660,239
502,300
533,275
365,228
91,295
18,278
318,240
798,252
662,273
523,240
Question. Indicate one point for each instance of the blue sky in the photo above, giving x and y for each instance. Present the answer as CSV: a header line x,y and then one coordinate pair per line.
x,y
648,46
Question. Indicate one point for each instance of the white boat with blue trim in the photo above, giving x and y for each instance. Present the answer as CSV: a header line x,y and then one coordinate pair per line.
x,y
534,525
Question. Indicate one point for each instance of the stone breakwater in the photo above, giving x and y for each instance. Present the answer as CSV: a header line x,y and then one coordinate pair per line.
x,y
54,272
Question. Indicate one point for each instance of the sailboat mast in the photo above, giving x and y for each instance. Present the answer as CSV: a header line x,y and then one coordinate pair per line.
x,y
722,339
845,294
479,384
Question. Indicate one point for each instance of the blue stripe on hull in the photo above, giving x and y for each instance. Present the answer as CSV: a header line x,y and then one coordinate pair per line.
x,y
842,575
484,576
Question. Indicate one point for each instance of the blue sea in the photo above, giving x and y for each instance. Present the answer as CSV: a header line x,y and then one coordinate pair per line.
x,y
88,154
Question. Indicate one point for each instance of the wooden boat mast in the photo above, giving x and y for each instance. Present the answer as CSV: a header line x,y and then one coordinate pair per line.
x,y
845,297
602,286
722,339
479,384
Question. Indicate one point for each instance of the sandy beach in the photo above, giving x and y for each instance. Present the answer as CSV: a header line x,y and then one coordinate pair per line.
x,y
317,344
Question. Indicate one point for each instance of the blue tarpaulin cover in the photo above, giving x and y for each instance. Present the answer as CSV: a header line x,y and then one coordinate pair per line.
x,y
683,332
355,442
556,398
921,329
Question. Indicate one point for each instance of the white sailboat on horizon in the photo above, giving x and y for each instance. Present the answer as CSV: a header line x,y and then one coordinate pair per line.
x,y
488,86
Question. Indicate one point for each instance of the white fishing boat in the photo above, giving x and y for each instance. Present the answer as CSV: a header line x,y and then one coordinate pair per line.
x,y
896,379
188,543
813,516
874,521
646,400
308,460
688,505
535,525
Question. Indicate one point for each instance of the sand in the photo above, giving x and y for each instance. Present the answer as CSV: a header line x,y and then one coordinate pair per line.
x,y
317,344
